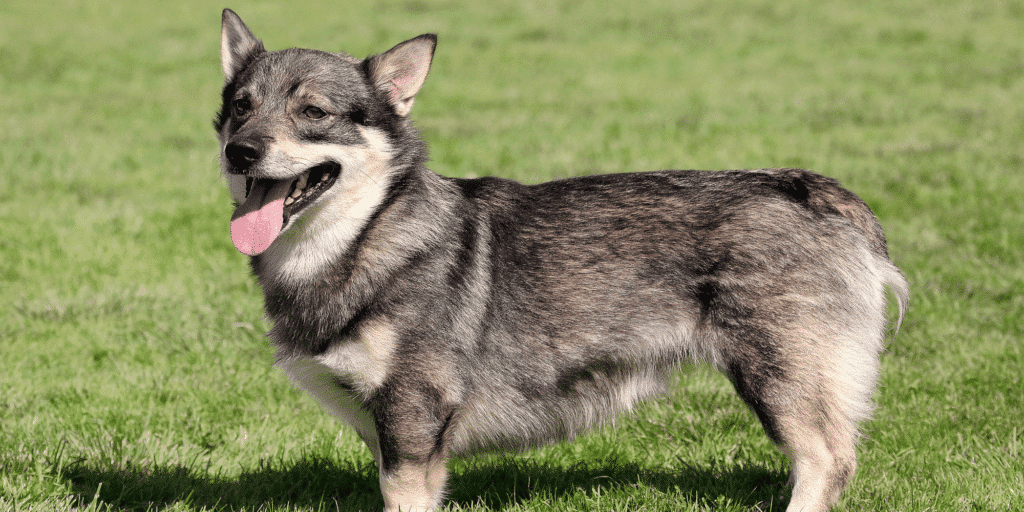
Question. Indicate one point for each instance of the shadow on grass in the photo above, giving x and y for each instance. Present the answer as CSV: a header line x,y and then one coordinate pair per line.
x,y
319,484
313,483
505,483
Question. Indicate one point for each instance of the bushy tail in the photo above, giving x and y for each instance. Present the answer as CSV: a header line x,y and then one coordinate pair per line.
x,y
830,195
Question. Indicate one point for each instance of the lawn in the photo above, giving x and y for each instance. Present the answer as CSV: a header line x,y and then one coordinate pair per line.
x,y
134,374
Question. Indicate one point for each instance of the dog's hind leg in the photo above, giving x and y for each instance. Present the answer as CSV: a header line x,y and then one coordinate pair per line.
x,y
822,452
809,395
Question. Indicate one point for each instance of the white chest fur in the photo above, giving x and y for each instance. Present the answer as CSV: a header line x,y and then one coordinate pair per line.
x,y
349,369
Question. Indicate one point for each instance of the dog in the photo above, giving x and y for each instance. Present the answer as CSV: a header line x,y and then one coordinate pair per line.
x,y
441,317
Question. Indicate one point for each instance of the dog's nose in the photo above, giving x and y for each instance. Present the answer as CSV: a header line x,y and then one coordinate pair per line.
x,y
241,155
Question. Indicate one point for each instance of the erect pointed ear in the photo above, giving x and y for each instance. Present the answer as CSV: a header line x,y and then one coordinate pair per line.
x,y
237,45
400,72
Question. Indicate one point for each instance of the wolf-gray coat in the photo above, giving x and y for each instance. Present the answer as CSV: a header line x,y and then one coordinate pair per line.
x,y
445,316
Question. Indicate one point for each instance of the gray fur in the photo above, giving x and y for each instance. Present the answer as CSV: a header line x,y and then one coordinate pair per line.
x,y
457,315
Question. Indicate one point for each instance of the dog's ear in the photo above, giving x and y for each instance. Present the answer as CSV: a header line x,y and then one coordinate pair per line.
x,y
400,72
237,45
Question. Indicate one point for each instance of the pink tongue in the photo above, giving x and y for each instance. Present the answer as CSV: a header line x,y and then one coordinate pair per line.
x,y
257,222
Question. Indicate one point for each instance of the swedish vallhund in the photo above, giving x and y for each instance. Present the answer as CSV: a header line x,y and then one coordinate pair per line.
x,y
441,316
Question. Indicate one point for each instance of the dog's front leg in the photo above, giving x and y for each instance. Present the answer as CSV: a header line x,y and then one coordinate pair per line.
x,y
413,485
413,436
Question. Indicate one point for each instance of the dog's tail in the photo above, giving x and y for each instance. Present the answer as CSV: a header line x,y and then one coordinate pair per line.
x,y
860,215
826,194
894,279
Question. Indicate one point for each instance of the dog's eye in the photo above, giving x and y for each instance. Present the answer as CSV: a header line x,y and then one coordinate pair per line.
x,y
314,112
241,107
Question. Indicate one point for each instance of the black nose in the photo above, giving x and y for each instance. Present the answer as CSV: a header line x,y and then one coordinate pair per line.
x,y
241,155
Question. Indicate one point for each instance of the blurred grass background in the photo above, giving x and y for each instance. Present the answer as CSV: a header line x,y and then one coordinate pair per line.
x,y
133,370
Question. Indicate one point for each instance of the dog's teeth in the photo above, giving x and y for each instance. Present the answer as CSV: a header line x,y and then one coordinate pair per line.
x,y
289,201
296,193
301,183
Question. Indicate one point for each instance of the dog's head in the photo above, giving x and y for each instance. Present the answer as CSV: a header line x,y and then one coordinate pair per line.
x,y
299,127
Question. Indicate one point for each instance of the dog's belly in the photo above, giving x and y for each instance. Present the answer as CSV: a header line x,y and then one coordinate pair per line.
x,y
500,419
495,406
491,419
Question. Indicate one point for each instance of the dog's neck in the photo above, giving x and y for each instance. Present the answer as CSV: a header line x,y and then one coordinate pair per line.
x,y
332,291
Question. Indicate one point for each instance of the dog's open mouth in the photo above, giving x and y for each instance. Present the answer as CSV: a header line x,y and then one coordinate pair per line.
x,y
269,204
306,189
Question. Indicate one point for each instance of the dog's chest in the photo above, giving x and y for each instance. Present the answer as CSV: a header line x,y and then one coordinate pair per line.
x,y
360,361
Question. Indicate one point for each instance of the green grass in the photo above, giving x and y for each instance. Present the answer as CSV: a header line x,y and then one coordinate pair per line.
x,y
133,371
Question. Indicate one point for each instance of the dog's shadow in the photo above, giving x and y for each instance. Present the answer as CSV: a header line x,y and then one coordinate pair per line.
x,y
503,484
495,483
311,483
